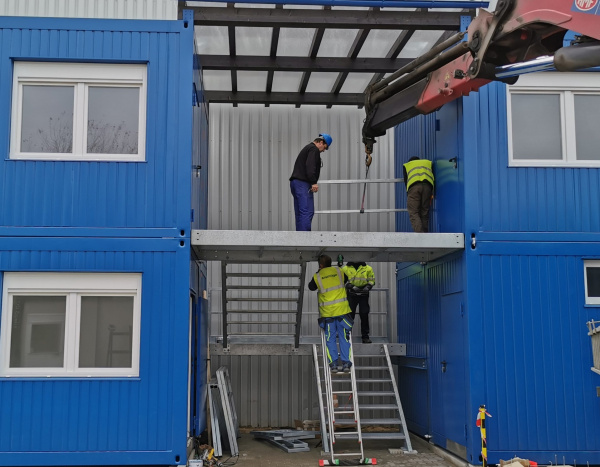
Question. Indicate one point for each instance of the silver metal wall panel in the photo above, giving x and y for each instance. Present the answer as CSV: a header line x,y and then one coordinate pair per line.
x,y
114,9
252,152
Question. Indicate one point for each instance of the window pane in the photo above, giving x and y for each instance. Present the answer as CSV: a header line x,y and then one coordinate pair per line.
x,y
593,282
47,123
587,129
38,332
536,127
106,332
113,120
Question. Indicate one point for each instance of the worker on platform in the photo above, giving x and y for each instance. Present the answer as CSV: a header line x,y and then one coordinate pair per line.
x,y
418,176
334,312
361,280
305,176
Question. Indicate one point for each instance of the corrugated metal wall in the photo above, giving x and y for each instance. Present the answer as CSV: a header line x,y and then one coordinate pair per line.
x,y
151,194
537,377
92,419
546,199
252,151
114,9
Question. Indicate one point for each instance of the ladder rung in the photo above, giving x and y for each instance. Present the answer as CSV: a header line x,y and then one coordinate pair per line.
x,y
259,322
341,392
376,393
347,454
373,380
343,411
372,421
262,274
262,299
378,407
261,287
386,435
342,434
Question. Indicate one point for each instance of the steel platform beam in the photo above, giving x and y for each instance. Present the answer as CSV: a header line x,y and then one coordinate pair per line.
x,y
285,247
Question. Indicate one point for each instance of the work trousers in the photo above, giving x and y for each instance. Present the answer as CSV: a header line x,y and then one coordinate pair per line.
x,y
418,201
337,328
362,303
304,204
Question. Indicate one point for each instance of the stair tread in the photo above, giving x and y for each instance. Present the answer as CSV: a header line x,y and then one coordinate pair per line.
x,y
370,421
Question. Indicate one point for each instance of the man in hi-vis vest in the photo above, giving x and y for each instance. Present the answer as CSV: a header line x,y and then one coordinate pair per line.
x,y
418,176
334,311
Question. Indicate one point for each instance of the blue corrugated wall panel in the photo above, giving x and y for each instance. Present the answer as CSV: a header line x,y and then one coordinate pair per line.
x,y
537,356
103,421
151,194
526,199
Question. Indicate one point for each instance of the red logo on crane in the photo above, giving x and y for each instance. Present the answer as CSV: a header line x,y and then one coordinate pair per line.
x,y
585,5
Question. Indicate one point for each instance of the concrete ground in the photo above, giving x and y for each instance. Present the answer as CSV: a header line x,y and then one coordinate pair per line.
x,y
261,453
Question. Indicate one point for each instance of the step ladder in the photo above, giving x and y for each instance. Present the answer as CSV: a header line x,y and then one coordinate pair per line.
x,y
380,400
340,388
252,305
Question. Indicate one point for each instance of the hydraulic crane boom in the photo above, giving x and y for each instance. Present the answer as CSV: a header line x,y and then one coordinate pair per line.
x,y
521,36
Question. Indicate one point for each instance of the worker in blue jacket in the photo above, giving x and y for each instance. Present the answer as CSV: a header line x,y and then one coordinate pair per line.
x,y
303,182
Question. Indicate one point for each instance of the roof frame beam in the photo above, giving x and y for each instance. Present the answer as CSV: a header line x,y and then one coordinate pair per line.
x,y
337,19
295,98
304,64
273,53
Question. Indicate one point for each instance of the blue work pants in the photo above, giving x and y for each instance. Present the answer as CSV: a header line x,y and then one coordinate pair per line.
x,y
334,328
304,204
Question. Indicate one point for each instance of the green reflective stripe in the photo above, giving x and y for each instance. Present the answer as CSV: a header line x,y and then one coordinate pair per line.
x,y
333,302
319,281
339,286
332,288
420,174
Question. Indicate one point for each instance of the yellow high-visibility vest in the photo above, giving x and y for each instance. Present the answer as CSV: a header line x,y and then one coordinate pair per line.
x,y
419,170
331,292
360,277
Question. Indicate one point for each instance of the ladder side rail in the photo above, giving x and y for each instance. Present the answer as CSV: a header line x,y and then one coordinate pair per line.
x,y
355,400
328,393
397,395
324,437
300,304
224,300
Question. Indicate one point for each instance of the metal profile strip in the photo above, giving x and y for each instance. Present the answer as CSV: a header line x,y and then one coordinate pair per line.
x,y
360,181
224,300
228,409
350,211
214,421
325,441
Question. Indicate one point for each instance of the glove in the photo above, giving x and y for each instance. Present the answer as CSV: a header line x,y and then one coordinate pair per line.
x,y
368,287
356,289
348,286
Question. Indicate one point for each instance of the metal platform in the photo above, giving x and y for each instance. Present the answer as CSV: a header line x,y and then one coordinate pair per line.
x,y
266,246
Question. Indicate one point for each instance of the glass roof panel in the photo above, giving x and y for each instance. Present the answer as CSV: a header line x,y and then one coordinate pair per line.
x,y
252,80
321,82
253,41
295,42
378,43
286,81
337,42
212,40
216,80
356,82
419,43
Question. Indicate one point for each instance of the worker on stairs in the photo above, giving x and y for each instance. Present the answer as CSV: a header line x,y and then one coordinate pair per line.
x,y
361,280
334,312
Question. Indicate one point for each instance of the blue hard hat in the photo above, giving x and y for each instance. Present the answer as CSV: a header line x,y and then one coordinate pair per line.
x,y
328,139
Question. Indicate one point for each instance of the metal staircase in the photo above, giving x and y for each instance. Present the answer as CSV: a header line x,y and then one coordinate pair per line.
x,y
373,385
251,309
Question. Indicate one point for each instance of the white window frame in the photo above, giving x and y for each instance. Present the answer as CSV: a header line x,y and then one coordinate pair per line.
x,y
566,85
81,76
590,263
73,286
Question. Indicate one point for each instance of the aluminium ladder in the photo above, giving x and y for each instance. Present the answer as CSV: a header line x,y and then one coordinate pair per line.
x,y
330,413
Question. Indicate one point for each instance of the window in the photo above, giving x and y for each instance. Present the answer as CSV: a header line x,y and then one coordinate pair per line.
x,y
67,324
78,111
592,282
552,120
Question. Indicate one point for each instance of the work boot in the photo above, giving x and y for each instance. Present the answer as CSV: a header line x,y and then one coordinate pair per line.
x,y
366,340
333,368
346,367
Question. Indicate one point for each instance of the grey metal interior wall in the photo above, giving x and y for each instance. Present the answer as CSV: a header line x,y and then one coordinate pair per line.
x,y
252,151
